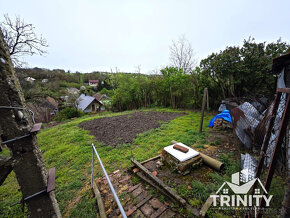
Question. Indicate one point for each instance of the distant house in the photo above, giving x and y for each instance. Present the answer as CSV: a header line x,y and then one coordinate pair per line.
x,y
29,79
88,103
44,109
73,91
52,104
104,99
93,83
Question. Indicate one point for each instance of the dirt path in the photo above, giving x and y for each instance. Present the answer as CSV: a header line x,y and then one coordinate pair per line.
x,y
124,129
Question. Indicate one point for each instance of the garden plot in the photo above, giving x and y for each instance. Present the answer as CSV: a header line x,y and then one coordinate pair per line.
x,y
124,129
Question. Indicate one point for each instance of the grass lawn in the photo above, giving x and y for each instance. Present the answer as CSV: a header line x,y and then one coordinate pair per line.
x,y
67,147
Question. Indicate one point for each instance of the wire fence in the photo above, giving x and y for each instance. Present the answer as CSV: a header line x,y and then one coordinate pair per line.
x,y
251,121
278,114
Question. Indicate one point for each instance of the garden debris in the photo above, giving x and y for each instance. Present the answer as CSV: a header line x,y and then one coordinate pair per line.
x,y
100,202
159,164
221,123
161,186
223,119
249,166
182,162
206,205
132,205
211,162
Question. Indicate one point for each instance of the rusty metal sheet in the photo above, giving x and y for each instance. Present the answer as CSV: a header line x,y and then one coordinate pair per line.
x,y
285,90
236,114
51,180
36,127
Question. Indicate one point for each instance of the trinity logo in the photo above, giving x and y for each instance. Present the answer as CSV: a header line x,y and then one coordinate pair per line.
x,y
236,194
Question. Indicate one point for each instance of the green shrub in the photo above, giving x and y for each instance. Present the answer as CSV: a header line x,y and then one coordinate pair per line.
x,y
68,113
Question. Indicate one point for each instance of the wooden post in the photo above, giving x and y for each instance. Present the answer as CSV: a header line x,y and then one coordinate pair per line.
x,y
202,110
28,165
207,100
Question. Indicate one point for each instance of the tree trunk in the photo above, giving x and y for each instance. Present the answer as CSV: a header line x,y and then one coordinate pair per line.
x,y
5,167
28,164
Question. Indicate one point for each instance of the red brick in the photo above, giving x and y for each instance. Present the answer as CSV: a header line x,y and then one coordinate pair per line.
x,y
125,179
131,210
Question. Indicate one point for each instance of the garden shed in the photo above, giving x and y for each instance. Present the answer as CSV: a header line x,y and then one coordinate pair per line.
x,y
88,103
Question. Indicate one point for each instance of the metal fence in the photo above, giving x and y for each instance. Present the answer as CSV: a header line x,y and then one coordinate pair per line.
x,y
94,151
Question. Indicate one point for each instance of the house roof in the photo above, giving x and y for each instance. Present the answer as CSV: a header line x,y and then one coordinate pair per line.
x,y
85,100
29,78
52,101
93,81
98,96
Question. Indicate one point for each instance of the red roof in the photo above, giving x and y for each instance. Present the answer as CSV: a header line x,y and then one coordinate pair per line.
x,y
93,81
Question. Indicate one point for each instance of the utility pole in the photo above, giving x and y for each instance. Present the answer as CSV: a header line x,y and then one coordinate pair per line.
x,y
15,126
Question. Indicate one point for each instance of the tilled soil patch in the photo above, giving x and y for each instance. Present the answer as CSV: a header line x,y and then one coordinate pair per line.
x,y
124,129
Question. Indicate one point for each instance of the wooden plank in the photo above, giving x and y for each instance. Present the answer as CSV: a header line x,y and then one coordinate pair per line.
x,y
159,182
150,159
51,180
158,212
206,206
141,203
99,201
145,179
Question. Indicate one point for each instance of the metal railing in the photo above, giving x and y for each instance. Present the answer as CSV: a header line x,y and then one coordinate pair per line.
x,y
94,151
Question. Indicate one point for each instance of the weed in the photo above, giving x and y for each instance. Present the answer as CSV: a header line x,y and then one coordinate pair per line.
x,y
195,202
199,146
135,179
201,191
162,198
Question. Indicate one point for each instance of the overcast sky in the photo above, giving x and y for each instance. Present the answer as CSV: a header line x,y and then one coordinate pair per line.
x,y
88,35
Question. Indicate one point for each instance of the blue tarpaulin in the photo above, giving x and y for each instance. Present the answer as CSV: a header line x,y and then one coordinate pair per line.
x,y
224,115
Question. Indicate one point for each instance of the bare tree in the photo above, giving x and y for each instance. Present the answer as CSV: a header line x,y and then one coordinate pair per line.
x,y
182,55
21,39
138,68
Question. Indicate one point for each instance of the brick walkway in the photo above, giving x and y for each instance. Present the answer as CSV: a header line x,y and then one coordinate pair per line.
x,y
136,200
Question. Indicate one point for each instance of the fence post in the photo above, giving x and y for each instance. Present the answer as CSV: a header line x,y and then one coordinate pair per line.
x,y
92,171
203,107
207,100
